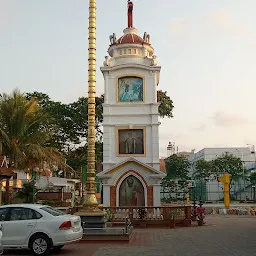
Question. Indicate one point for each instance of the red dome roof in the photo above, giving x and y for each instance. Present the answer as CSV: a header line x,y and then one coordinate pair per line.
x,y
130,39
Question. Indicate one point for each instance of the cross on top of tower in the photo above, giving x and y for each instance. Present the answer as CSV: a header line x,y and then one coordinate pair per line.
x,y
130,14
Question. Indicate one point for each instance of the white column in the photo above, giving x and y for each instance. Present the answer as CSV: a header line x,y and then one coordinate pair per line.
x,y
155,143
112,143
106,89
155,88
106,195
156,195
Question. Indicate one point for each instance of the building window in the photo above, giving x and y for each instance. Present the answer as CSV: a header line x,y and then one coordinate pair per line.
x,y
139,52
135,51
120,52
125,51
129,51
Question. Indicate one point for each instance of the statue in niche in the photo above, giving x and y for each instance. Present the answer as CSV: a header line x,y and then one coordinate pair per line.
x,y
130,144
131,192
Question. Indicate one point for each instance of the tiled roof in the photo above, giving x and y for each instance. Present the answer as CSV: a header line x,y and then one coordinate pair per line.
x,y
7,172
130,39
162,166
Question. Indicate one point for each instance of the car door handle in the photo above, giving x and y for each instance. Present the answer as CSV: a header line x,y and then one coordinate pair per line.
x,y
30,225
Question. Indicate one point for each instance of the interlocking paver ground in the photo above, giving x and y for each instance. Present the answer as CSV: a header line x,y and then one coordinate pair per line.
x,y
221,236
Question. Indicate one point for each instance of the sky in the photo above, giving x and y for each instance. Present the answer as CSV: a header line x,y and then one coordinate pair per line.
x,y
207,51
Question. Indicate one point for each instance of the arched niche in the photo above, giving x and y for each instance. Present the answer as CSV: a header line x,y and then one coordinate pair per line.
x,y
131,192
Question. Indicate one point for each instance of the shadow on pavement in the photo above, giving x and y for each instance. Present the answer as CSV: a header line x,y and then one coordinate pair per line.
x,y
66,251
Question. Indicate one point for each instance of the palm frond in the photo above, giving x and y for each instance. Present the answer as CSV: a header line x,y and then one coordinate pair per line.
x,y
25,132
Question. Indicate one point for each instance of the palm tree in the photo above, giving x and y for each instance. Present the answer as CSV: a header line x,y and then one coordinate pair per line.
x,y
26,133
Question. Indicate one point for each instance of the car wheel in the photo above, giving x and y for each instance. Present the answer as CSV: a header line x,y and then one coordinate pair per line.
x,y
57,248
40,245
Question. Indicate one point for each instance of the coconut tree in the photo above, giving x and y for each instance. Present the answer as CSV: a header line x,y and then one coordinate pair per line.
x,y
26,133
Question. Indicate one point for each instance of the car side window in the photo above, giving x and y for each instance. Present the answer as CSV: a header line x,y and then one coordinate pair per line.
x,y
38,215
4,214
19,213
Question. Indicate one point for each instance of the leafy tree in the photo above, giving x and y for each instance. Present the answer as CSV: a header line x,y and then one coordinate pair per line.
x,y
214,169
43,99
203,169
27,193
177,169
78,157
71,119
24,132
79,111
166,104
217,167
227,163
253,178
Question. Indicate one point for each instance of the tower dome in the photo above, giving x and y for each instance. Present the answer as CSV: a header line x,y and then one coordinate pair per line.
x,y
130,44
130,38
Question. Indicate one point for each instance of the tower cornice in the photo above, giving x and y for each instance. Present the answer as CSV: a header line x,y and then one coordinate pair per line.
x,y
132,65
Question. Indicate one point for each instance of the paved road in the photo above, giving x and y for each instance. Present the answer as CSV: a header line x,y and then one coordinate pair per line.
x,y
222,236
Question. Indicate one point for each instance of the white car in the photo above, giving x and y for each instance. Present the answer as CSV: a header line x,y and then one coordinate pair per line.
x,y
1,247
38,227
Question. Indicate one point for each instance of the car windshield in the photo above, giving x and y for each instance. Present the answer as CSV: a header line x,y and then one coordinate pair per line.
x,y
52,211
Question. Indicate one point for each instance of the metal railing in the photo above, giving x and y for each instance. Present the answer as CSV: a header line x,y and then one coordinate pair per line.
x,y
212,191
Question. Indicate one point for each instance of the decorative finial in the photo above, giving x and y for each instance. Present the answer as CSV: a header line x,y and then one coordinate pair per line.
x,y
130,14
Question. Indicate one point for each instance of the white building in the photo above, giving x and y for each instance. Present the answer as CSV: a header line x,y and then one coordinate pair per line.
x,y
213,190
131,121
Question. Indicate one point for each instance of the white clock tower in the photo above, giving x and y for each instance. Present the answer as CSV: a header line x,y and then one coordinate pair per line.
x,y
131,173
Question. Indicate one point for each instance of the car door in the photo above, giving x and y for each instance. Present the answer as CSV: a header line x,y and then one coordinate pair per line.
x,y
20,224
4,214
